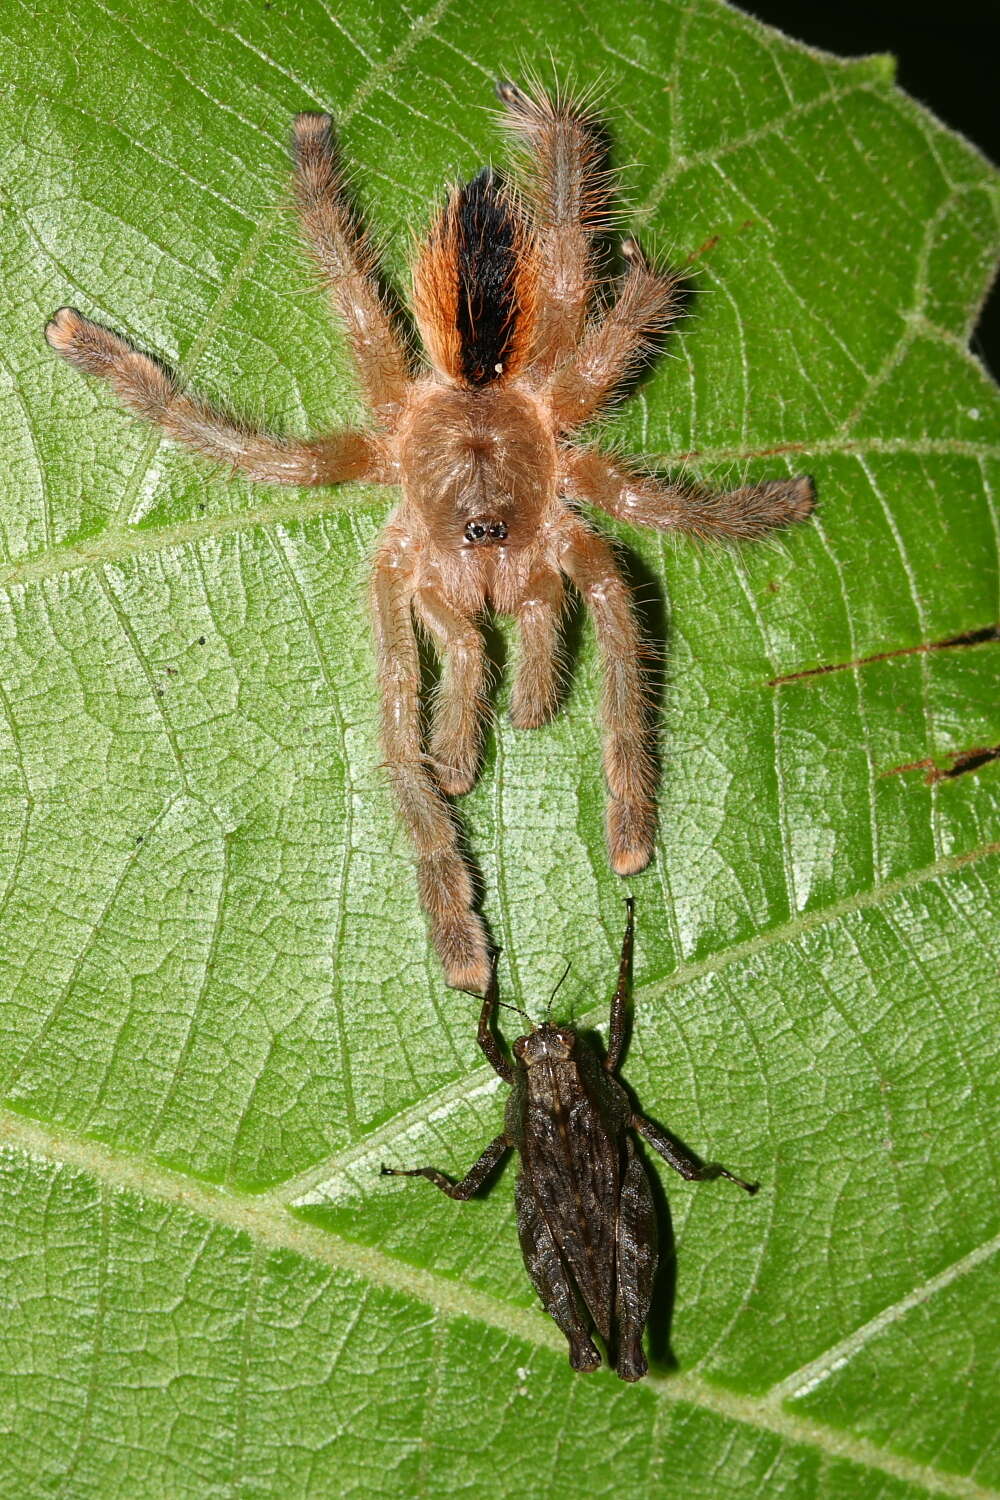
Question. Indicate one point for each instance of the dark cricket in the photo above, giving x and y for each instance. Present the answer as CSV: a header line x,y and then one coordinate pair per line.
x,y
585,1214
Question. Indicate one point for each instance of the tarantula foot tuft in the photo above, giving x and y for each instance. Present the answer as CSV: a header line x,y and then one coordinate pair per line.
x,y
465,954
630,861
455,781
630,836
63,329
802,497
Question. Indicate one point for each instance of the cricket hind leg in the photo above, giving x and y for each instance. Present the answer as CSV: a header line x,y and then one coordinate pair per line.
x,y
636,1267
551,1280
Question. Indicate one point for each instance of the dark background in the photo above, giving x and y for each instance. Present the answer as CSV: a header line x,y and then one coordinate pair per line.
x,y
948,57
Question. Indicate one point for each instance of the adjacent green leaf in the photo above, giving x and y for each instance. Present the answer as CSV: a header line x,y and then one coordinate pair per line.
x,y
220,1009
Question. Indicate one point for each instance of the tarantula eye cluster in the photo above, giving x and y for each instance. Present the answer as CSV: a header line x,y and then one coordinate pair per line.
x,y
483,531
479,439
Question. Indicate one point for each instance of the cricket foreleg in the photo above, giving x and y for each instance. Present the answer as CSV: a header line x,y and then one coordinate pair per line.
x,y
619,1000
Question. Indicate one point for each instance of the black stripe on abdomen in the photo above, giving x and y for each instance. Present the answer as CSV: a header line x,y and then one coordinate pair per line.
x,y
487,234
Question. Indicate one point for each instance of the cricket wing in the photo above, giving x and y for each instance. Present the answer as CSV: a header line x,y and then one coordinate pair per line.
x,y
572,1166
551,1280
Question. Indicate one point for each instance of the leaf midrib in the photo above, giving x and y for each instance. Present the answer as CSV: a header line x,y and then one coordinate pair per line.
x,y
269,1226
268,1222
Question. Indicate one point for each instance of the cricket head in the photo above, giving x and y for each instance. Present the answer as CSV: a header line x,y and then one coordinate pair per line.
x,y
545,1044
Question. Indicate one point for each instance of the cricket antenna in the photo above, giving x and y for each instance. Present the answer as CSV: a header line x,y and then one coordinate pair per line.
x,y
555,992
518,1011
494,965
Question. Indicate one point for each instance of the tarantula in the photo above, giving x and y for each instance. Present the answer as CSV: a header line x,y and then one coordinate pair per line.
x,y
477,437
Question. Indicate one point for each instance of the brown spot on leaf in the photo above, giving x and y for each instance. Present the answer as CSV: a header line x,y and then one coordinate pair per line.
x,y
970,638
960,763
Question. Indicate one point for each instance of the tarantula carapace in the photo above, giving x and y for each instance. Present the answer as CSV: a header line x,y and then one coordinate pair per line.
x,y
520,353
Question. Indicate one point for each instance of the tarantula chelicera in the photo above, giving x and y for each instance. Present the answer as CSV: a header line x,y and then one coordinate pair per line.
x,y
478,439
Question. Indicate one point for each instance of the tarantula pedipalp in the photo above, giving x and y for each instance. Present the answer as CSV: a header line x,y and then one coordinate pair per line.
x,y
479,444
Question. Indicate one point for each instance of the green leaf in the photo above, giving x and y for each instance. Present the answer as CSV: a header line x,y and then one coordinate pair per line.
x,y
220,1009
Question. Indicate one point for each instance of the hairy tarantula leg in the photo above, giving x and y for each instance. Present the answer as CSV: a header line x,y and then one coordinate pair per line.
x,y
563,164
645,500
615,345
443,876
149,390
347,262
461,701
628,765
536,685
